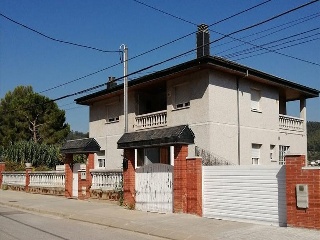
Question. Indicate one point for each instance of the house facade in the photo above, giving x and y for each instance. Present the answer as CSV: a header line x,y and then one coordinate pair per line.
x,y
237,114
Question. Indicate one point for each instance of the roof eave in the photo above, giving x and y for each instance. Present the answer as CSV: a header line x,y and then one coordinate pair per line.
x,y
204,61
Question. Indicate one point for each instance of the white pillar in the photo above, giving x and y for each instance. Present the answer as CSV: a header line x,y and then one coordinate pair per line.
x,y
303,113
172,155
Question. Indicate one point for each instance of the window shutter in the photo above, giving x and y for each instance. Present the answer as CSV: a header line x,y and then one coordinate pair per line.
x,y
255,151
255,99
112,113
182,94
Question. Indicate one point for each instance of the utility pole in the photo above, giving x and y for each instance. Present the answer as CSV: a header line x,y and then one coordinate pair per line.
x,y
125,84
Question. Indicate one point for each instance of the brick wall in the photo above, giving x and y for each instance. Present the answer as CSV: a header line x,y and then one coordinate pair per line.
x,y
85,184
28,170
69,175
90,165
194,186
180,178
2,169
297,173
83,187
129,179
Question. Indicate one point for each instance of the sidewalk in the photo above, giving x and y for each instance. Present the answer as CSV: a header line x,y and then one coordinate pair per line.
x,y
172,226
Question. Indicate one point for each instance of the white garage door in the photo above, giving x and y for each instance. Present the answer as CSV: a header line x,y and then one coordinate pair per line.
x,y
245,193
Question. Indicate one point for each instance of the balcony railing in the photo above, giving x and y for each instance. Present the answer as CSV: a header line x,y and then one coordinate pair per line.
x,y
106,179
151,120
291,123
47,179
14,178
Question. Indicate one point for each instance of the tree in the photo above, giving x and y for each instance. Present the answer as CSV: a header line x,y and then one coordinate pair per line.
x,y
26,115
313,133
77,135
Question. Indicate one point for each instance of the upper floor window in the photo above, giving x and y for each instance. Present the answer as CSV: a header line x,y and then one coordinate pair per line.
x,y
255,99
113,112
182,96
283,150
255,153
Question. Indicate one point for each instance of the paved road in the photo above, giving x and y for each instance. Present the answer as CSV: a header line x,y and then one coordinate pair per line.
x,y
104,213
16,224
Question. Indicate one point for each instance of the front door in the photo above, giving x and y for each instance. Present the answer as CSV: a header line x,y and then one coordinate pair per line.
x,y
76,168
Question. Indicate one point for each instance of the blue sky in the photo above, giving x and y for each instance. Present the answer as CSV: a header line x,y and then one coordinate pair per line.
x,y
27,58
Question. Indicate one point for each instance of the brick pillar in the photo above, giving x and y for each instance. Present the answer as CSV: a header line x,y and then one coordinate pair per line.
x,y
180,178
69,175
90,165
2,169
28,170
129,179
298,173
194,186
83,189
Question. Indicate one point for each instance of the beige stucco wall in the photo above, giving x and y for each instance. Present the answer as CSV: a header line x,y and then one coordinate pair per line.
x,y
213,117
107,134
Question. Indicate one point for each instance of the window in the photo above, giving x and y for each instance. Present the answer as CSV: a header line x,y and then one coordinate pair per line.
x,y
101,162
140,157
255,100
272,149
182,96
147,156
113,113
283,150
255,153
151,155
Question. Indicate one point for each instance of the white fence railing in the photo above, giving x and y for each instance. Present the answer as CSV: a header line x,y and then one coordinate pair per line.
x,y
14,178
106,179
290,123
47,179
150,120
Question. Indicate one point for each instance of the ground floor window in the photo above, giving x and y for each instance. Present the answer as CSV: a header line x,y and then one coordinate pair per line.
x,y
283,150
255,153
101,162
152,155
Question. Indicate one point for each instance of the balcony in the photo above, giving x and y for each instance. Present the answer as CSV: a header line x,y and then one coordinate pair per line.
x,y
151,120
289,123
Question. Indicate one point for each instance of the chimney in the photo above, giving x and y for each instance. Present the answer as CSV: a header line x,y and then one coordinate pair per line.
x,y
111,82
203,40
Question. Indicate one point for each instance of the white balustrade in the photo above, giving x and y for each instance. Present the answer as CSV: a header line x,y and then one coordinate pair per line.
x,y
14,178
47,179
150,120
291,123
106,179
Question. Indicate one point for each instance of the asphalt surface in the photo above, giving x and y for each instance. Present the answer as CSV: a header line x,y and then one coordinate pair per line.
x,y
170,226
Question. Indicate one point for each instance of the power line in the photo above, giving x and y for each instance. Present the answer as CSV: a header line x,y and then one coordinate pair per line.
x,y
184,53
154,49
252,49
296,22
281,49
55,39
187,21
252,26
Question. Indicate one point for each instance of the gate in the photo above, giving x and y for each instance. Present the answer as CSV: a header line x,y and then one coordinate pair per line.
x,y
75,169
154,188
245,193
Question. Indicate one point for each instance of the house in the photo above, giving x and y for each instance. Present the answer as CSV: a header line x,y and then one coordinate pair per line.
x,y
237,114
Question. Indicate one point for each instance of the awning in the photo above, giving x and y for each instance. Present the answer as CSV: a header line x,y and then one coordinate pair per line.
x,y
86,145
157,137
